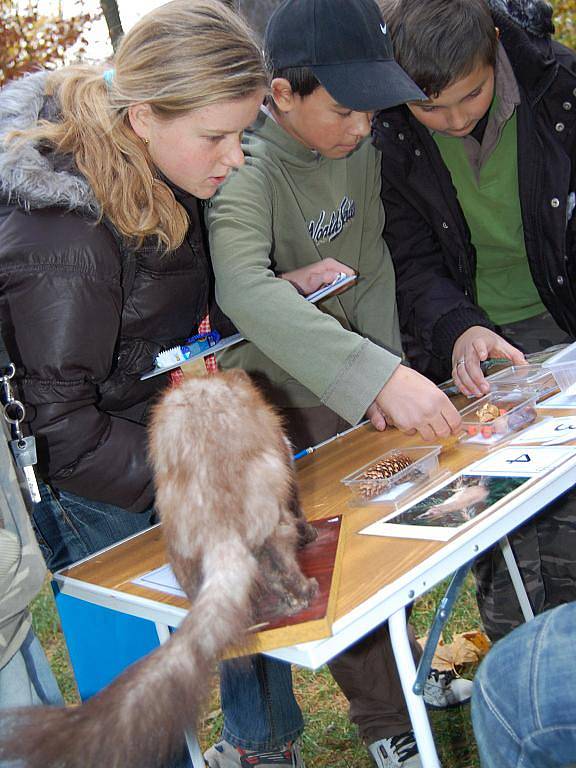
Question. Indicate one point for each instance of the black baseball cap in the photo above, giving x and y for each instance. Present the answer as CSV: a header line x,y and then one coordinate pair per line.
x,y
347,46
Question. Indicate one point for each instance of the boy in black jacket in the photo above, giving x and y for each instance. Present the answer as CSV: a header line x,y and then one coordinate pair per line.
x,y
478,186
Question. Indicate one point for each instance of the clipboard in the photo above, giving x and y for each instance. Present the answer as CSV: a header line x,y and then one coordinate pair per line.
x,y
340,282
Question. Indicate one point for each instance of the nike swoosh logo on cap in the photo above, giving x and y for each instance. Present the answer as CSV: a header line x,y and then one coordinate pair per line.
x,y
384,28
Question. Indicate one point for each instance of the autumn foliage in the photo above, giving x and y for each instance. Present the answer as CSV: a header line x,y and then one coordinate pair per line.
x,y
29,40
565,22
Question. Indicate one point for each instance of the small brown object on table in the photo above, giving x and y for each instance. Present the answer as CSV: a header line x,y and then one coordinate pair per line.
x,y
487,412
380,471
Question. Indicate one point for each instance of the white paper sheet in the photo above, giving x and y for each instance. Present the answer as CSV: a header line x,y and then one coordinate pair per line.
x,y
161,579
521,461
561,400
551,431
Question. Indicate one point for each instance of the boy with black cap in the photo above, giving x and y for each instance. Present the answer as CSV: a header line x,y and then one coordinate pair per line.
x,y
305,206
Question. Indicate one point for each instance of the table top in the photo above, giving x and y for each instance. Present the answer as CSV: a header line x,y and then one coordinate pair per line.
x,y
377,575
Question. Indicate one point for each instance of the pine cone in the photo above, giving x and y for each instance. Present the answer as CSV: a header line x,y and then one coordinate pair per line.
x,y
380,471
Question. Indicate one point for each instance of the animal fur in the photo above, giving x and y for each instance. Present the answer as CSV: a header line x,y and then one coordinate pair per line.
x,y
226,497
28,177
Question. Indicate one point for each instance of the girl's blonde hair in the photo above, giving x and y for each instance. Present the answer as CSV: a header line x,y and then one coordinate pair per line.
x,y
182,56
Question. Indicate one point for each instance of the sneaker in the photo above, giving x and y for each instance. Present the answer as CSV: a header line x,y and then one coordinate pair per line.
x,y
225,755
443,690
396,751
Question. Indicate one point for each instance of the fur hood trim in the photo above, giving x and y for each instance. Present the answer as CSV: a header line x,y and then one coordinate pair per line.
x,y
29,178
535,16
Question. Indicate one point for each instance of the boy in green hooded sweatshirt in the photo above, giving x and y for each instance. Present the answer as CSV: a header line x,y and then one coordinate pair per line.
x,y
304,207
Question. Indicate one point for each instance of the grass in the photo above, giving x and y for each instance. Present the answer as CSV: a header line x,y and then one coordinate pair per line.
x,y
330,740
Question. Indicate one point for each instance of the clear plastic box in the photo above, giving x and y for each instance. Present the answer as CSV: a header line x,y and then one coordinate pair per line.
x,y
563,366
535,377
492,418
408,479
544,354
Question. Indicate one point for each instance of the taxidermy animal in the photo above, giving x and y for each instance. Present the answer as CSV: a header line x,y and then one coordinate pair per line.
x,y
227,499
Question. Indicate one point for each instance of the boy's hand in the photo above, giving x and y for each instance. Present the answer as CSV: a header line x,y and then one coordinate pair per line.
x,y
414,404
473,347
308,279
376,417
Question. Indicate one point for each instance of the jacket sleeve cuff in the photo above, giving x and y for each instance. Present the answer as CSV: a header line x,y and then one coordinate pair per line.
x,y
451,326
362,377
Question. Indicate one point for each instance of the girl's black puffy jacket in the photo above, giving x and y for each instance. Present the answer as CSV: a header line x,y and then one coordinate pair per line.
x,y
80,344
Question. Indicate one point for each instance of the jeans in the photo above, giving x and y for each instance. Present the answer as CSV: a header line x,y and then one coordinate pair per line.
x,y
524,700
260,710
70,527
27,679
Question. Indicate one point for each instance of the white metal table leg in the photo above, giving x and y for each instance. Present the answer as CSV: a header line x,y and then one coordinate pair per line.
x,y
416,706
196,755
514,572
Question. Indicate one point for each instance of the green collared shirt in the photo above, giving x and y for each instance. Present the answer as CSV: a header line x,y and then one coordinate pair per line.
x,y
485,176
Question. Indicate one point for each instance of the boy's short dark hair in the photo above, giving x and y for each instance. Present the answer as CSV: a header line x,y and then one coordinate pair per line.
x,y
438,42
302,80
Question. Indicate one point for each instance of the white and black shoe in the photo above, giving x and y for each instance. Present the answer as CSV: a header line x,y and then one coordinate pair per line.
x,y
443,690
396,752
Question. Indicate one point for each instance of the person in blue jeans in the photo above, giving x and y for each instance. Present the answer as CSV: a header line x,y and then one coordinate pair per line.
x,y
103,261
25,675
524,697
103,264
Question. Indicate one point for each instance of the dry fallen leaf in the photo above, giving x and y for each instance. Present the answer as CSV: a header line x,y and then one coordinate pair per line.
x,y
480,640
465,648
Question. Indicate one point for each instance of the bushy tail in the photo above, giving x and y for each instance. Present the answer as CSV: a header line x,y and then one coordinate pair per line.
x,y
140,718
